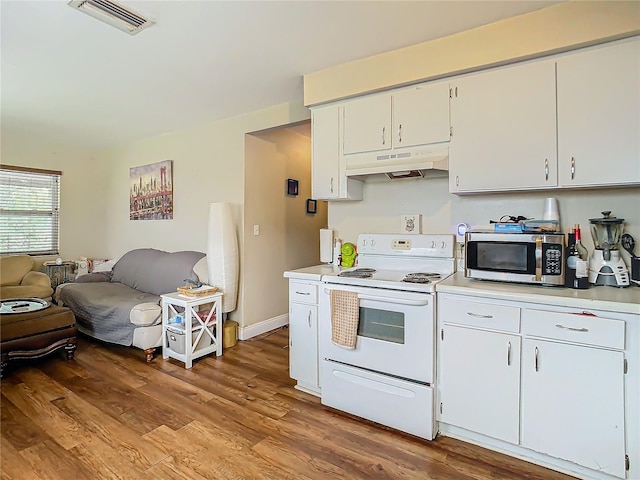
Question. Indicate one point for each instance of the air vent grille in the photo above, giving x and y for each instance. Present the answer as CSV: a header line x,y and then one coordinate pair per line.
x,y
113,14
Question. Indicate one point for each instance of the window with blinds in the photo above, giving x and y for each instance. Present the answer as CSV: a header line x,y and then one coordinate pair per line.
x,y
29,210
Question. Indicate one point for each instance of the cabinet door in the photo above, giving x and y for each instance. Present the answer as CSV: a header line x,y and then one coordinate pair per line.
x,y
599,116
325,152
421,115
367,124
504,129
480,381
303,343
573,404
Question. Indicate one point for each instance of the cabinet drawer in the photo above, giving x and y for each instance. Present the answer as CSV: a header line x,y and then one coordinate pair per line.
x,y
495,317
303,293
574,327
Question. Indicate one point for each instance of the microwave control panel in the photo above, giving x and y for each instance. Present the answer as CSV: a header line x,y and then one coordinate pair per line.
x,y
552,259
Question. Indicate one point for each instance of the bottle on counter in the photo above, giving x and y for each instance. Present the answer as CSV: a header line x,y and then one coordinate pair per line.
x,y
570,259
582,264
577,271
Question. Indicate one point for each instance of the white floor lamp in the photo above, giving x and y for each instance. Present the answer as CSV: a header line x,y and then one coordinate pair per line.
x,y
222,254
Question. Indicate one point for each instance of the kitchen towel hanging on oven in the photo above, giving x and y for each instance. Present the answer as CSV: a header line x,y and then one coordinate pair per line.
x,y
345,314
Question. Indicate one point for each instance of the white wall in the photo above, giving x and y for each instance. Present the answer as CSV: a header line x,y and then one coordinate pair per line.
x,y
385,201
208,166
288,236
82,205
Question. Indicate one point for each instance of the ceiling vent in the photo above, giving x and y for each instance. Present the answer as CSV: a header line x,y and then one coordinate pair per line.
x,y
113,14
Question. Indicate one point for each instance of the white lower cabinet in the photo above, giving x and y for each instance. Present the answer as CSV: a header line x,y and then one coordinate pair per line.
x,y
471,361
573,404
303,335
553,385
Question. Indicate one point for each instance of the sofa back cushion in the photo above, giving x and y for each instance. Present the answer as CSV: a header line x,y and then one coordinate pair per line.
x,y
154,271
13,268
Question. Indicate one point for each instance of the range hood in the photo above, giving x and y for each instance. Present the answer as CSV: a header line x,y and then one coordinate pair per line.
x,y
425,161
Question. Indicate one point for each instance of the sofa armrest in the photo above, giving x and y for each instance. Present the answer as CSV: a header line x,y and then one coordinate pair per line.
x,y
146,314
34,278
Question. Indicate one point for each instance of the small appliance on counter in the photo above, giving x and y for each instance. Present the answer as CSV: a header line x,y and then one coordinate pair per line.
x,y
534,258
629,244
606,265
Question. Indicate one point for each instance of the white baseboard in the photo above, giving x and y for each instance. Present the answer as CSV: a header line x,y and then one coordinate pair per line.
x,y
244,333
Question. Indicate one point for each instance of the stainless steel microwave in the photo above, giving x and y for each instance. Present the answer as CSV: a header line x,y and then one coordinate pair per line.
x,y
534,258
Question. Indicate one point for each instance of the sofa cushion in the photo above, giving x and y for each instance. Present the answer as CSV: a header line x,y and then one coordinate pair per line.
x,y
13,268
154,271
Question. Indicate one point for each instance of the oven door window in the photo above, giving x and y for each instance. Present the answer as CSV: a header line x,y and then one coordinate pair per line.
x,y
382,325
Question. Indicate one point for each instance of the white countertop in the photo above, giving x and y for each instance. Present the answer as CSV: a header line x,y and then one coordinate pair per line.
x,y
312,273
611,299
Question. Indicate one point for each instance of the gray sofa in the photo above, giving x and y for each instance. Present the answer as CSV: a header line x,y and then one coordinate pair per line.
x,y
122,306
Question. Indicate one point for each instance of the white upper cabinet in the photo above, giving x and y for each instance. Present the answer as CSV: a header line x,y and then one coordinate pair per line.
x,y
504,129
404,118
367,124
328,180
599,115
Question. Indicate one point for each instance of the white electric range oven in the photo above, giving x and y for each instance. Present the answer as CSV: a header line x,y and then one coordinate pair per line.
x,y
388,377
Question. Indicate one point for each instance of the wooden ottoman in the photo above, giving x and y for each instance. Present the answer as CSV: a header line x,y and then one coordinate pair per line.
x,y
35,334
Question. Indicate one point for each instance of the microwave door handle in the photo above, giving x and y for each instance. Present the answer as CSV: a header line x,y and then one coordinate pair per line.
x,y
538,259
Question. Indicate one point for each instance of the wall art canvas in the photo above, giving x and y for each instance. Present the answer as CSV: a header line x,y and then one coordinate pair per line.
x,y
151,191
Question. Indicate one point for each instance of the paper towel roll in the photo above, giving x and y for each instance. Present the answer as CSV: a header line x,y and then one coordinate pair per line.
x,y
326,245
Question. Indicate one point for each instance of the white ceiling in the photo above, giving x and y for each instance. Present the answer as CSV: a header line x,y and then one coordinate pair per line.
x,y
72,79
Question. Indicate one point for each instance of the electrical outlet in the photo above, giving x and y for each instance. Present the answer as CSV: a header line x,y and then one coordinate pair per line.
x,y
256,230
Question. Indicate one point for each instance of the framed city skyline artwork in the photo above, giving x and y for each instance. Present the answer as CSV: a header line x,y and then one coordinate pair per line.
x,y
151,191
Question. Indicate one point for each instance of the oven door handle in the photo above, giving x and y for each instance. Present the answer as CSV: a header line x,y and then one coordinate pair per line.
x,y
400,301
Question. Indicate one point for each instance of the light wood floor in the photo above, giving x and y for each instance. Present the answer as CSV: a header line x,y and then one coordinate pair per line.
x,y
108,415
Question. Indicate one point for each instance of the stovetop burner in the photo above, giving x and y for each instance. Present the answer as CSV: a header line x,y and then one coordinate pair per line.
x,y
358,273
421,277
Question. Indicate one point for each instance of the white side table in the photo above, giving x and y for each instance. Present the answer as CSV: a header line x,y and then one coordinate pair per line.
x,y
193,327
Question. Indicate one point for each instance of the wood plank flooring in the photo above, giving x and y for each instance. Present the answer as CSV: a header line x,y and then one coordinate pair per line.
x,y
109,415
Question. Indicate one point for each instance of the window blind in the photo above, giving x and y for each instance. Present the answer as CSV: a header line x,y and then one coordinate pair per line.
x,y
29,211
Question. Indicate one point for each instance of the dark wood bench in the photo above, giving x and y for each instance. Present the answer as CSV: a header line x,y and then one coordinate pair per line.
x,y
36,334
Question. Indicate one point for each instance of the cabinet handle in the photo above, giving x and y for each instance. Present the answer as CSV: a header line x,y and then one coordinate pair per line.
x,y
309,318
478,315
535,359
456,92
573,329
442,334
400,133
546,169
384,129
457,181
509,355
573,168
331,184
302,293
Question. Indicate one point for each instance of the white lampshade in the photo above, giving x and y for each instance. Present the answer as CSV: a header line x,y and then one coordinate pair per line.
x,y
222,254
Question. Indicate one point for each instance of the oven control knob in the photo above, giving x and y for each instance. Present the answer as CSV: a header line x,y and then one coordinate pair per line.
x,y
373,242
433,244
444,245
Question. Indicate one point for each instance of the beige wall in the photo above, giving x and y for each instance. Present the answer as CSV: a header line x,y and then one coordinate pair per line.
x,y
441,211
208,166
549,30
82,206
288,236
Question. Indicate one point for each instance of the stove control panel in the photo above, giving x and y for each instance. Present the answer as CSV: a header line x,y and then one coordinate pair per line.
x,y
441,246
401,244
